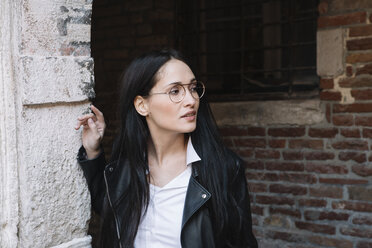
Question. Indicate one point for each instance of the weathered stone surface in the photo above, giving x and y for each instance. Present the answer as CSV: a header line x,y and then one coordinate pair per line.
x,y
47,25
268,113
77,243
56,79
55,200
330,52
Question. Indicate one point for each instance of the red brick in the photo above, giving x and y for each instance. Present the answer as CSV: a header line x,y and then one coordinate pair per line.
x,y
277,143
298,178
270,154
349,71
323,215
260,176
362,170
342,181
341,20
326,191
364,244
359,57
316,228
360,44
319,155
285,211
367,69
351,145
328,113
367,133
312,202
330,96
301,143
245,152
263,199
326,168
323,132
284,166
257,187
363,121
254,165
365,220
330,242
257,210
352,108
287,132
284,189
296,155
323,8
354,206
248,142
355,156
370,158
360,193
289,237
233,131
357,82
116,54
326,83
227,142
256,131
363,233
365,30
343,120
350,133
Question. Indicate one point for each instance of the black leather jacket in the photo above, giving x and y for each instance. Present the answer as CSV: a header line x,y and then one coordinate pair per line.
x,y
197,229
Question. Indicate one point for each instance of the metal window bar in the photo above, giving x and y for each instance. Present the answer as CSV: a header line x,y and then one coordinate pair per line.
x,y
197,41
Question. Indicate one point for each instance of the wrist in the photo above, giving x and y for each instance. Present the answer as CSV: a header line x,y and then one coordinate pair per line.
x,y
91,154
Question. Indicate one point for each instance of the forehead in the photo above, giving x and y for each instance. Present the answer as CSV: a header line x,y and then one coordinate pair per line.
x,y
174,71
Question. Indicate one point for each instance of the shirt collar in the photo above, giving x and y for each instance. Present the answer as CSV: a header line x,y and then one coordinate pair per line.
x,y
191,155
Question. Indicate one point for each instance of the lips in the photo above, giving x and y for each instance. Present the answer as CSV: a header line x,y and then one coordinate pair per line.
x,y
189,114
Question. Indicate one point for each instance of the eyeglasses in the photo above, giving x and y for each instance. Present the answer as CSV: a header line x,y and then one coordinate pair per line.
x,y
177,92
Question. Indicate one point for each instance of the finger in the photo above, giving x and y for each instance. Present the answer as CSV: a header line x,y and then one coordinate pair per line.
x,y
98,113
90,115
93,126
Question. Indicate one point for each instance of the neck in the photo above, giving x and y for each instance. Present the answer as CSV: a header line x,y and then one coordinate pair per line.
x,y
166,147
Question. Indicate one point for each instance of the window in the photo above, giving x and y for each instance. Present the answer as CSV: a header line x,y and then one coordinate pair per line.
x,y
250,49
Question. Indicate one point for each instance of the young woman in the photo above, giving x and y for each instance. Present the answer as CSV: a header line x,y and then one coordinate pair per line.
x,y
171,182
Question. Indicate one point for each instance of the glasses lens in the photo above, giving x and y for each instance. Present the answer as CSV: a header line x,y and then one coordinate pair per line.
x,y
200,89
177,93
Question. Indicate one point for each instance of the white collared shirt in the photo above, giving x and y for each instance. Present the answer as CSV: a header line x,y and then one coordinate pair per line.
x,y
161,226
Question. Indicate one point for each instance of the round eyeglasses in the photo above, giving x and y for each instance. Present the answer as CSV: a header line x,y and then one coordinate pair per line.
x,y
177,92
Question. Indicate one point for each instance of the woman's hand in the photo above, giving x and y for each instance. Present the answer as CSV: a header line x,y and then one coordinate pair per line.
x,y
93,131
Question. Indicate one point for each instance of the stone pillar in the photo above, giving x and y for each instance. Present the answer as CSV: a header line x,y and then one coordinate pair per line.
x,y
46,80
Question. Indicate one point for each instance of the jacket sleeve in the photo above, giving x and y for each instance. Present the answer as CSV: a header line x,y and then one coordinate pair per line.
x,y
93,170
245,235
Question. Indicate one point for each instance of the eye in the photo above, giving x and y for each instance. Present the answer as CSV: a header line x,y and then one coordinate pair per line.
x,y
193,87
175,90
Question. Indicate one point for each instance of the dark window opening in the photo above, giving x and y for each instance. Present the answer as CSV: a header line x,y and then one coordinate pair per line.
x,y
250,49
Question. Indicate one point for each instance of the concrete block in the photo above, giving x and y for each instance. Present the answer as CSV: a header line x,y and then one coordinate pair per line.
x,y
330,52
54,198
297,112
56,79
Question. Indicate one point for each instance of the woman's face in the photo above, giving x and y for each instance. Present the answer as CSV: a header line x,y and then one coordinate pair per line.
x,y
165,115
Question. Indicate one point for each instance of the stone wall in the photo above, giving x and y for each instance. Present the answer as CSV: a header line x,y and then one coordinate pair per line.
x,y
46,82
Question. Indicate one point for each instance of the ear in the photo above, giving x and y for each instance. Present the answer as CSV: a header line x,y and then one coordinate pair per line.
x,y
140,104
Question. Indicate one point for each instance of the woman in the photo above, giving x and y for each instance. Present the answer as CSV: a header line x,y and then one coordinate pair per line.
x,y
171,182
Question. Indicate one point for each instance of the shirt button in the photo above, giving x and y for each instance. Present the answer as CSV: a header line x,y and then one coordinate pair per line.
x,y
204,196
111,169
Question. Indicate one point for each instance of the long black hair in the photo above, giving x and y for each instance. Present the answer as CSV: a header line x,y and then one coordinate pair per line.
x,y
131,146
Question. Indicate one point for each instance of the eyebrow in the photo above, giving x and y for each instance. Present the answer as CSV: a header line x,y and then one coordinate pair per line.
x,y
178,82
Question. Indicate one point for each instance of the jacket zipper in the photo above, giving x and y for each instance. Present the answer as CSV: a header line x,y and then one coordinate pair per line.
x,y
112,208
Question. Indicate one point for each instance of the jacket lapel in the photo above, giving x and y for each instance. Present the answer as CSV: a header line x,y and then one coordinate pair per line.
x,y
196,196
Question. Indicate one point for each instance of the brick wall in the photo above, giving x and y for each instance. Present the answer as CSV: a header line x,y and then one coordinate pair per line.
x,y
311,185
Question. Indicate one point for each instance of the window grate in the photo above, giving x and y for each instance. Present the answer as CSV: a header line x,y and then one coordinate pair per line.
x,y
249,49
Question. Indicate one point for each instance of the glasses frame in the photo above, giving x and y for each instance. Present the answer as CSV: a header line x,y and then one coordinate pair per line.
x,y
183,86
